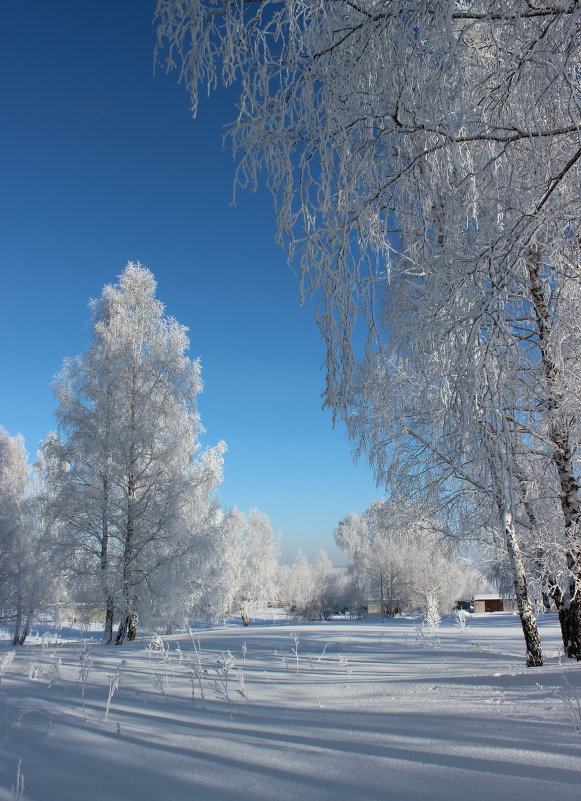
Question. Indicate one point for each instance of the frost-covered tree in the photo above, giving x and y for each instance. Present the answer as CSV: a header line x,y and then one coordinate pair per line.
x,y
214,591
431,146
14,478
243,569
298,584
459,399
187,565
127,486
398,552
448,122
315,591
333,588
433,421
25,570
553,378
256,555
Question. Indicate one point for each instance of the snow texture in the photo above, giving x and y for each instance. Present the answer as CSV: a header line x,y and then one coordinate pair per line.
x,y
367,710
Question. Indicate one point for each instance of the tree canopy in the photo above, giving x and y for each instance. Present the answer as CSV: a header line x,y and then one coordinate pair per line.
x,y
424,161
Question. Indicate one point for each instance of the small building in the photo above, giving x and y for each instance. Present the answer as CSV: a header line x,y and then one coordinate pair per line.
x,y
390,608
493,603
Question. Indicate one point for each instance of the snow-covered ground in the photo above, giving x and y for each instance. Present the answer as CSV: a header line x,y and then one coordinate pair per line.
x,y
344,711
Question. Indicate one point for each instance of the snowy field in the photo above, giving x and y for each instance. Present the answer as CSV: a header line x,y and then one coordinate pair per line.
x,y
344,711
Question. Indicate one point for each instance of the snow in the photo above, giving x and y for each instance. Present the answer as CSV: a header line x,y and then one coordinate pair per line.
x,y
372,711
489,596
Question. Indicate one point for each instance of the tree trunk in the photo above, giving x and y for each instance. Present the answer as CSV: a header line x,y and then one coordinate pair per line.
x,y
121,631
128,620
18,623
127,628
570,619
22,632
128,623
109,606
569,602
570,608
108,629
19,636
501,482
525,610
132,626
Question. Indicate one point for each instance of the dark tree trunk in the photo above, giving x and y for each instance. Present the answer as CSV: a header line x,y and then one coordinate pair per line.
x,y
569,602
108,629
128,623
121,631
27,625
572,620
127,628
17,624
21,632
132,626
570,611
109,606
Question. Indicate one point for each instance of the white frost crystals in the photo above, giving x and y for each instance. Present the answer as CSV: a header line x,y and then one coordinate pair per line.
x,y
129,493
424,159
25,578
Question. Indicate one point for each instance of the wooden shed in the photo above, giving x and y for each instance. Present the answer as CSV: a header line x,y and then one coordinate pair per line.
x,y
493,603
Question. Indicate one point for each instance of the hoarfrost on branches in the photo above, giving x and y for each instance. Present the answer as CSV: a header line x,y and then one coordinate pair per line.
x,y
394,138
424,162
25,545
129,491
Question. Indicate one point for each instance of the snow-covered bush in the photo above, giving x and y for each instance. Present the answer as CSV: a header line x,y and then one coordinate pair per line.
x,y
462,619
432,618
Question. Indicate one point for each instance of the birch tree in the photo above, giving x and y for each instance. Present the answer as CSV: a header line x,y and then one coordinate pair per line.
x,y
129,489
315,591
256,555
25,571
430,148
14,477
298,584
381,126
460,394
399,551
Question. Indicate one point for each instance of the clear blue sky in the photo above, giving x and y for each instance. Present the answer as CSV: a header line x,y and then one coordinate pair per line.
x,y
101,163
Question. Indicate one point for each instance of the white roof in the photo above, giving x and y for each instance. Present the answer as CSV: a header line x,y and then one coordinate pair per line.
x,y
491,596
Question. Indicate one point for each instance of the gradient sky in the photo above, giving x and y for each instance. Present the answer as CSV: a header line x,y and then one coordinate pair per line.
x,y
101,163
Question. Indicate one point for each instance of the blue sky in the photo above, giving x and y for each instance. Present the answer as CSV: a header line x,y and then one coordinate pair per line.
x,y
101,163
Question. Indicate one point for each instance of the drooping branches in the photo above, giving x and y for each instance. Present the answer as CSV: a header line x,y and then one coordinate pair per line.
x,y
365,117
418,154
